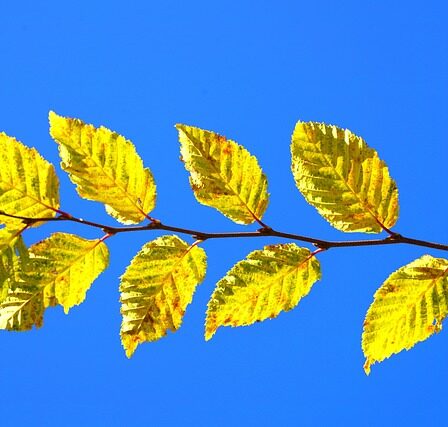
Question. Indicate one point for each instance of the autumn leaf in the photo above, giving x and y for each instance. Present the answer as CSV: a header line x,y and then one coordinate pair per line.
x,y
259,287
223,174
408,308
343,178
105,167
156,289
60,270
29,186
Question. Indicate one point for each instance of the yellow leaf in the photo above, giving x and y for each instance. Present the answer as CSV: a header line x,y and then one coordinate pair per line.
x,y
23,308
29,186
223,174
156,289
11,245
343,178
267,282
69,264
16,311
408,308
60,270
105,167
7,237
5,272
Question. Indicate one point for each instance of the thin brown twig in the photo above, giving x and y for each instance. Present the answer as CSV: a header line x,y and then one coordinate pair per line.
x,y
266,231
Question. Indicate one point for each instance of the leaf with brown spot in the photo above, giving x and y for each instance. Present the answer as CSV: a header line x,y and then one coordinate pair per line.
x,y
408,308
29,185
59,270
105,167
223,174
343,178
157,287
259,287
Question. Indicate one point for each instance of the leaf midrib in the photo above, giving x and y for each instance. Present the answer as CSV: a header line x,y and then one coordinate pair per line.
x,y
342,178
26,195
115,183
419,297
164,279
41,288
271,282
214,164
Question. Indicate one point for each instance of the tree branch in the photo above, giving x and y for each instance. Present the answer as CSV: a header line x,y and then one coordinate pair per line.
x,y
266,231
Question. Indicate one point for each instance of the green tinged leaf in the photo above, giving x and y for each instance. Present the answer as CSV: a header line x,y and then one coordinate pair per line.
x,y
408,308
5,273
29,186
105,167
267,282
11,245
13,301
7,237
343,178
156,289
60,270
223,174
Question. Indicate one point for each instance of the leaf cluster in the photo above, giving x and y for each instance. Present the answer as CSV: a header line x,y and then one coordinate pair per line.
x,y
335,171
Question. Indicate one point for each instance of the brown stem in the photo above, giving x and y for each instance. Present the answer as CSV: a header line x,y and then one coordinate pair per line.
x,y
266,231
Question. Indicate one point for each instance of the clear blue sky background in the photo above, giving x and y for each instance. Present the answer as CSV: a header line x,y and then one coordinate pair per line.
x,y
248,70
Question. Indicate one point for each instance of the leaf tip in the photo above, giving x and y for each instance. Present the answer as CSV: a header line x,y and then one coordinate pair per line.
x,y
368,363
56,122
367,366
209,331
129,344
53,117
180,127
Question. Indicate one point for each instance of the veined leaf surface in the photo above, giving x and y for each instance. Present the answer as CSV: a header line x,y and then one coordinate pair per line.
x,y
267,282
60,270
12,249
223,174
105,167
16,311
29,186
7,237
343,178
156,289
408,307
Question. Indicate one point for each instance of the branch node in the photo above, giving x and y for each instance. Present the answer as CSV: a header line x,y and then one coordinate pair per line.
x,y
154,223
109,231
199,237
265,230
29,221
322,246
395,236
318,251
65,215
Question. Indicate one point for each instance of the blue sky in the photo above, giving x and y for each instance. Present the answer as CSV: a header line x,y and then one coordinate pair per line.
x,y
248,70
